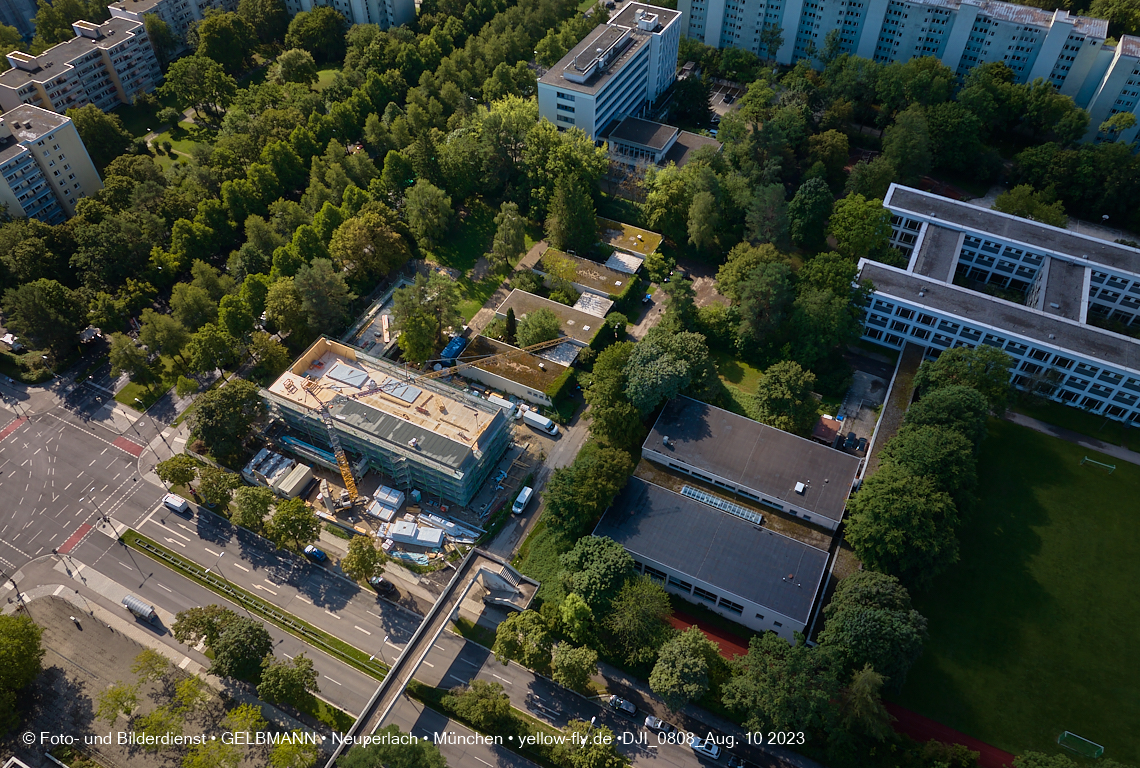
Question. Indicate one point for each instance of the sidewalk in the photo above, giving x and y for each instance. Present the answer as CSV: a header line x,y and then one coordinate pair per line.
x,y
1116,451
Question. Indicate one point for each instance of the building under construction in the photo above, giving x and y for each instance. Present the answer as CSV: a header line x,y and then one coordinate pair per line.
x,y
421,433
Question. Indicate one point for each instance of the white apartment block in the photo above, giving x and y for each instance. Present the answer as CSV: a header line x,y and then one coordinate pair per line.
x,y
385,13
1066,278
1066,50
178,14
105,64
618,70
45,167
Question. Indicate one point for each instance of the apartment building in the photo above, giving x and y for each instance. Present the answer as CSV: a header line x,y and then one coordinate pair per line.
x,y
105,64
385,13
45,167
618,70
1066,50
1066,280
178,14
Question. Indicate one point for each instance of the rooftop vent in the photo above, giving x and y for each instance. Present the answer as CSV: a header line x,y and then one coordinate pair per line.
x,y
800,488
1052,335
665,441
1054,305
542,366
414,442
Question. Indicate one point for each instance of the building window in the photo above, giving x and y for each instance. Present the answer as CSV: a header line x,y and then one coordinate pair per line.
x,y
704,594
675,582
760,616
564,119
728,605
655,574
777,624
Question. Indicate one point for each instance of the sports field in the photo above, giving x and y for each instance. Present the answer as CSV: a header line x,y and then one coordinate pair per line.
x,y
1037,629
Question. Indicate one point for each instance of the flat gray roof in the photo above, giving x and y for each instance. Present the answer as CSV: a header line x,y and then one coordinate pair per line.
x,y
722,550
395,431
754,455
938,254
684,147
577,325
53,61
1016,319
628,15
644,133
1064,286
599,37
1004,226
33,123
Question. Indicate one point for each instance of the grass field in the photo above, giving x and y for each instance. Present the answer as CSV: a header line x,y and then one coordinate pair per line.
x,y
1034,631
1080,420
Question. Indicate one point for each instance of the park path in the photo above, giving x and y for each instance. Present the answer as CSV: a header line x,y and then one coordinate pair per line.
x,y
1116,451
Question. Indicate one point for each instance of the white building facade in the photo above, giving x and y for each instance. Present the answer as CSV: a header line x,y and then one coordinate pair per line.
x,y
44,165
618,70
178,14
1066,279
385,13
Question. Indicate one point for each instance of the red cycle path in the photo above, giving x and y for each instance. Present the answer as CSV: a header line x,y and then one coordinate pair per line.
x,y
910,723
11,427
74,538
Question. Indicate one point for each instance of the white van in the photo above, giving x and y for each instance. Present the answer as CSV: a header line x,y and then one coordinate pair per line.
x,y
538,421
177,503
522,500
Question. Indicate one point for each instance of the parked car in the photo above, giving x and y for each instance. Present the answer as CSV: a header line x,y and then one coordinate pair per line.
x,y
618,704
648,298
850,442
706,747
738,762
316,555
729,98
861,446
382,586
659,725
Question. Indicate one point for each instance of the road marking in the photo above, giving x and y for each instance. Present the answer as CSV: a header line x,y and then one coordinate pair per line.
x,y
375,614
271,583
120,562
304,599
37,451
171,591
505,680
330,613
266,589
93,461
465,661
176,541
484,762
362,629
212,552
391,643
68,486
242,567
58,589
457,677
176,533
326,677
429,664
37,533
185,528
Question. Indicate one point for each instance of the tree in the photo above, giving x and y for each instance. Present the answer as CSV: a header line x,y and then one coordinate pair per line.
x,y
784,398
324,294
482,704
510,326
223,417
363,560
240,649
211,348
573,667
637,620
681,673
589,745
368,248
861,227
771,37
778,685
270,355
284,310
162,333
906,144
524,637
191,306
45,313
245,718
767,216
1024,202
577,495
156,724
217,486
957,407
390,748
251,505
202,624
228,39
984,368
294,753
422,311
1117,124
577,618
861,708
690,105
429,213
269,18
292,682
870,622
941,453
665,364
179,469
537,326
293,520
741,261
595,570
764,297
200,82
21,656
102,133
320,32
808,213
115,700
212,754
571,224
830,149
190,695
871,179
903,525
128,357
150,665
235,317
704,221
510,236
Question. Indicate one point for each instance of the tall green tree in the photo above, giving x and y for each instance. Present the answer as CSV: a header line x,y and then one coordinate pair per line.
x,y
102,133
46,313
595,570
984,368
202,624
482,704
1027,203
681,673
179,469
227,38
217,486
320,32
429,213
223,418
363,560
638,619
537,326
240,649
510,236
162,333
906,144
808,213
589,745
202,83
784,398
574,666
422,312
871,179
665,364
393,749
941,453
524,637
268,18
128,357
324,294
211,348
861,708
21,657
293,521
251,506
957,407
571,224
292,682
764,298
577,495
861,227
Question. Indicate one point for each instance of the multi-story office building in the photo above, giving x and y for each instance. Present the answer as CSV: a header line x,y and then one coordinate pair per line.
x,y
424,435
1066,50
45,167
1065,278
386,13
105,64
617,70
178,14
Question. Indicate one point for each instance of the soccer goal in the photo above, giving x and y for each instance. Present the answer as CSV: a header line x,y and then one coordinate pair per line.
x,y
1110,467
1081,746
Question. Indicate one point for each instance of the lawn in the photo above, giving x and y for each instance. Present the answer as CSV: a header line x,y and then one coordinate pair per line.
x,y
325,77
187,135
739,374
1034,631
1080,420
538,558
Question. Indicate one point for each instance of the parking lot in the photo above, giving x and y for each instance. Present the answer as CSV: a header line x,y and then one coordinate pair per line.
x,y
725,97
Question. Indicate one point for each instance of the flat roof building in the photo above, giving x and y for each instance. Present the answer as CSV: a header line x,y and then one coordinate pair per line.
x,y
747,573
421,433
44,165
628,238
618,69
762,463
105,64
589,276
638,143
523,375
578,327
1067,279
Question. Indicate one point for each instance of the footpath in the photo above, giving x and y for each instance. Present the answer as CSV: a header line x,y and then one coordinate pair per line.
x,y
1116,451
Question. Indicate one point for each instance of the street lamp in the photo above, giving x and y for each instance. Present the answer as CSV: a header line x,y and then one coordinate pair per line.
x,y
98,509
